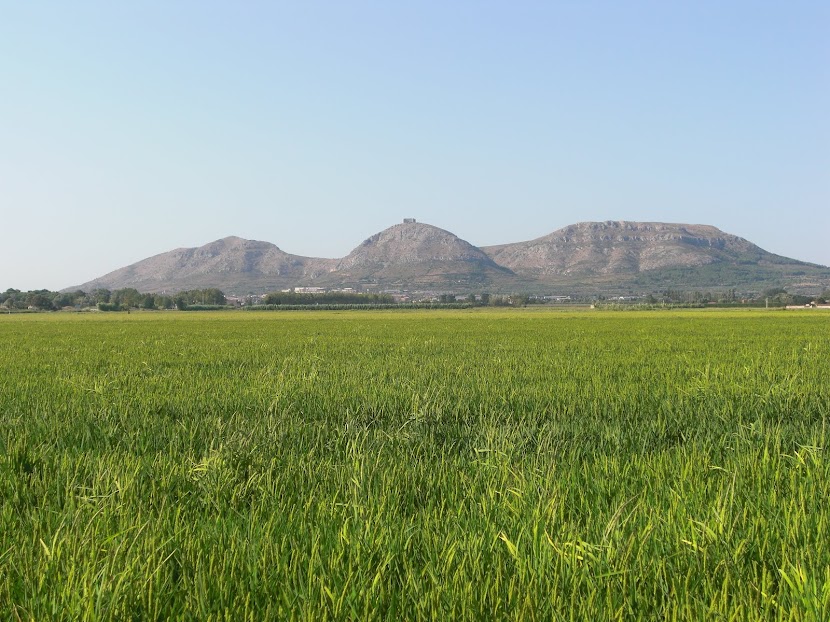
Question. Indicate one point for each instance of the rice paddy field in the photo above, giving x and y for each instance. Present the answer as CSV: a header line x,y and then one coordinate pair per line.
x,y
418,465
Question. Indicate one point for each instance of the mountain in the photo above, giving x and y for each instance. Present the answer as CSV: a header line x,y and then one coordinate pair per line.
x,y
229,264
613,256
592,248
413,255
650,255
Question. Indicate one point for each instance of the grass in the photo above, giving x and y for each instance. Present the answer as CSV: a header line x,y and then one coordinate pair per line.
x,y
465,465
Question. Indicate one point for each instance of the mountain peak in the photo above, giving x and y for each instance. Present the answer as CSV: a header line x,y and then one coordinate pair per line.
x,y
413,254
233,242
412,242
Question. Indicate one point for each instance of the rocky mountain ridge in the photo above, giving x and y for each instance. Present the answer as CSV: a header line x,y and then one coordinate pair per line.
x,y
613,247
421,257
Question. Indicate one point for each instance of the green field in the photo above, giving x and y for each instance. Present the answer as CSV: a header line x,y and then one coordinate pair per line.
x,y
418,465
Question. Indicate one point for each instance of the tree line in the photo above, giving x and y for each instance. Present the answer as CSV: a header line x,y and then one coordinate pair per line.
x,y
211,298
775,296
108,300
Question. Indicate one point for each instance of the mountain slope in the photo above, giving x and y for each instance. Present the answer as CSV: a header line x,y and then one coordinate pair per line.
x,y
230,264
652,255
595,248
649,255
416,254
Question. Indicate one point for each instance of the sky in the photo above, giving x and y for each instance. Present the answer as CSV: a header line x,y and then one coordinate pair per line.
x,y
128,129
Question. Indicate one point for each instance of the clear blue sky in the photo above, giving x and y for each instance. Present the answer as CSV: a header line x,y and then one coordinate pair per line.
x,y
131,128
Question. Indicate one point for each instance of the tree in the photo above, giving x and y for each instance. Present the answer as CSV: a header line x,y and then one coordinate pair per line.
x,y
100,295
214,296
8,295
162,302
127,297
62,300
41,301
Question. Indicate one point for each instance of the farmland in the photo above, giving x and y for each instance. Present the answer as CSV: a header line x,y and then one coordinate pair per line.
x,y
470,464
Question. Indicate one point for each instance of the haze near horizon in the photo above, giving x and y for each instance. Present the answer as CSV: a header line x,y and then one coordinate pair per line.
x,y
132,130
